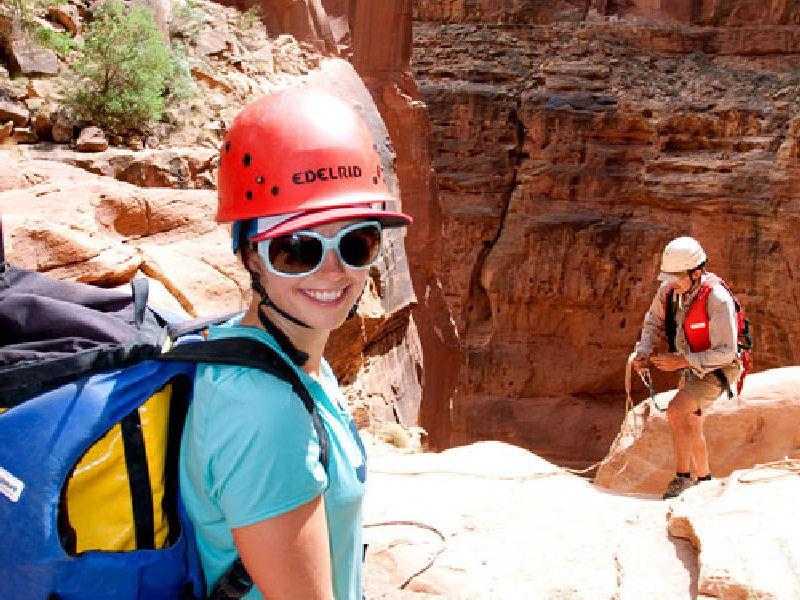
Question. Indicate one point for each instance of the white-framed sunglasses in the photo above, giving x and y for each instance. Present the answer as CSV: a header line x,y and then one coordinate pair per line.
x,y
301,253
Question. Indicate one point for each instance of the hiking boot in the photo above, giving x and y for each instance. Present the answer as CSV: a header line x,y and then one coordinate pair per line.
x,y
677,486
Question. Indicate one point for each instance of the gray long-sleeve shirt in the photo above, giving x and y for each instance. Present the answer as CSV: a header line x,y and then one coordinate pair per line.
x,y
722,329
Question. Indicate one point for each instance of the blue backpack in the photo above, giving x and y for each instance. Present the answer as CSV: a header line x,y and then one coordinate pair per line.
x,y
91,415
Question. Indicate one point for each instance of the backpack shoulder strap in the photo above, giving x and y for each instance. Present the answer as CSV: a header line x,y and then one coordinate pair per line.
x,y
670,324
246,352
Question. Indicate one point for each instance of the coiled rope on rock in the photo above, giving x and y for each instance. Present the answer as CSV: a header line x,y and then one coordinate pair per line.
x,y
421,525
785,467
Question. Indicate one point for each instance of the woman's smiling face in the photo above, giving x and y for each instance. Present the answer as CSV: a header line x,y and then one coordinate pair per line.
x,y
322,299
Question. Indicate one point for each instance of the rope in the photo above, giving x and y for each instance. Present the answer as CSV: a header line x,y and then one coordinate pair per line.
x,y
628,411
421,525
530,476
785,467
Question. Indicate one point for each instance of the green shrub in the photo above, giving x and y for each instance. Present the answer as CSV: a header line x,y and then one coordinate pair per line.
x,y
20,14
56,40
187,19
125,70
181,85
396,435
249,18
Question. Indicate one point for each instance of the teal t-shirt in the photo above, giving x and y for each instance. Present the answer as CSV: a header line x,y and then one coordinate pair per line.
x,y
250,452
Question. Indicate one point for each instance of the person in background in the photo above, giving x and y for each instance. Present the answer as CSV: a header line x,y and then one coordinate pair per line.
x,y
696,313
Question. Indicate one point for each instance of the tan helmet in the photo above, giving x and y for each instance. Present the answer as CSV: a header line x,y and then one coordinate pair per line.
x,y
680,256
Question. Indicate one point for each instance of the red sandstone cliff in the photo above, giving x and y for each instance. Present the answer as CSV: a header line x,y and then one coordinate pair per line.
x,y
566,155
570,141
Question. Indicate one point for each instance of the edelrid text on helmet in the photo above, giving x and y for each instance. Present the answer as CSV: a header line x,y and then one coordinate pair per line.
x,y
681,255
295,151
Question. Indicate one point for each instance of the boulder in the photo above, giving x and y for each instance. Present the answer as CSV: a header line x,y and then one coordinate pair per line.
x,y
12,111
213,80
68,16
5,130
29,58
91,139
63,127
180,168
211,41
42,126
98,230
24,135
745,531
759,427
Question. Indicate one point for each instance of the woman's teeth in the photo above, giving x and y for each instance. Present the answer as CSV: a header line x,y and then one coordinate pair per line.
x,y
324,295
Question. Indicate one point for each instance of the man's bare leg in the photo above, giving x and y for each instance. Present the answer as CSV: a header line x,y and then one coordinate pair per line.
x,y
697,445
678,415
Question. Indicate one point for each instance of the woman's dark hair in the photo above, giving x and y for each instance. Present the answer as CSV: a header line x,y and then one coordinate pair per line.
x,y
243,242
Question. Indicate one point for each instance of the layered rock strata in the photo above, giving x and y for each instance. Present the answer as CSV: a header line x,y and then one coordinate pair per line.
x,y
566,156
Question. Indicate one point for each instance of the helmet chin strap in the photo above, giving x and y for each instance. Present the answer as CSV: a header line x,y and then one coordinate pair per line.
x,y
266,302
354,308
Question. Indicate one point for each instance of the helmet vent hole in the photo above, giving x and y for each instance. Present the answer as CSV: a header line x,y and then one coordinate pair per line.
x,y
246,159
260,179
228,146
275,190
375,180
249,194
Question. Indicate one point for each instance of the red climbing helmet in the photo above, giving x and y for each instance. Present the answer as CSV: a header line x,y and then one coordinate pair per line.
x,y
304,154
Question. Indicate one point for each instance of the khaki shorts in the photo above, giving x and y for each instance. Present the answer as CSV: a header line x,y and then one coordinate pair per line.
x,y
705,390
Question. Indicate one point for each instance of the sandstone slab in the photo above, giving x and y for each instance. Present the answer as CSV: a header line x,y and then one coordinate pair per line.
x,y
746,532
514,526
759,427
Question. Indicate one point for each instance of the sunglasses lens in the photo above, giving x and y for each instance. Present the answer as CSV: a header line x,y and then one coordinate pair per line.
x,y
359,247
295,253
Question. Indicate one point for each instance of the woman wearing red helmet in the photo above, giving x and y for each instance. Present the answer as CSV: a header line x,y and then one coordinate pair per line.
x,y
300,179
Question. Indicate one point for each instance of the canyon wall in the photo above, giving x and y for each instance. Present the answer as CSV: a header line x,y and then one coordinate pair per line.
x,y
571,140
566,156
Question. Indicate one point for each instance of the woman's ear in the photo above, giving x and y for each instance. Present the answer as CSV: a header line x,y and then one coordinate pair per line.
x,y
250,258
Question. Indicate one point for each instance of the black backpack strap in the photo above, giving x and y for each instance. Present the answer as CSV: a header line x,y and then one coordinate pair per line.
x,y
235,583
670,324
141,288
